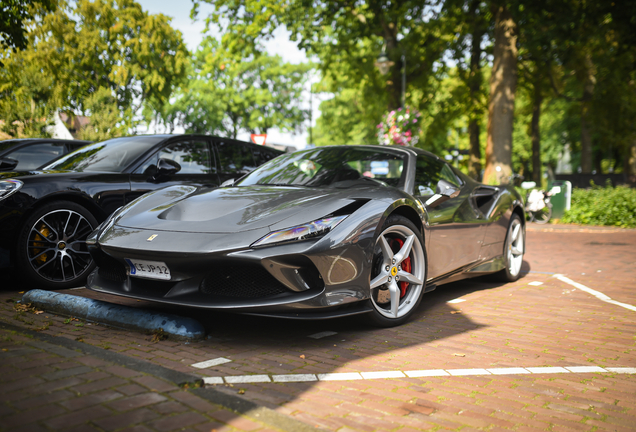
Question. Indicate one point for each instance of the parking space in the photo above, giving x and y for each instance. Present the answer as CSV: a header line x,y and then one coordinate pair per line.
x,y
476,355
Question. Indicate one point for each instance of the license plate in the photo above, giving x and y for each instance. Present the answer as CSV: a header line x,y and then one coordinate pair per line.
x,y
148,269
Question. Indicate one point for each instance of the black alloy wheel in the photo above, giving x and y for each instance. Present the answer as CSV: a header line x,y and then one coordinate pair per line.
x,y
52,250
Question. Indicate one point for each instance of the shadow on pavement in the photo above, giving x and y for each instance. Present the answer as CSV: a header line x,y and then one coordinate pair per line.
x,y
279,346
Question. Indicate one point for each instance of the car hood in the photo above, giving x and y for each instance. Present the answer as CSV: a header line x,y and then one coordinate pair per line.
x,y
232,209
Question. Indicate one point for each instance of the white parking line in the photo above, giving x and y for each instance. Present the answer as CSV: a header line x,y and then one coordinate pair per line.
x,y
380,375
210,363
240,379
352,376
426,373
599,295
340,376
544,369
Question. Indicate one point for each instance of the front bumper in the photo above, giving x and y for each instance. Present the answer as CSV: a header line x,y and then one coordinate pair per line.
x,y
309,279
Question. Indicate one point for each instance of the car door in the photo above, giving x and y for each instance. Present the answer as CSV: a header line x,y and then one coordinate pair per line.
x,y
456,231
197,167
235,159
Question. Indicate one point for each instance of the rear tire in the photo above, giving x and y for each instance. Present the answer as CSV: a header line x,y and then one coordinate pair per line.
x,y
398,273
52,252
514,248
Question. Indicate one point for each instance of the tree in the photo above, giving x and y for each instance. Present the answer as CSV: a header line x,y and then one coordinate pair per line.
x,y
228,94
106,44
106,120
343,35
14,16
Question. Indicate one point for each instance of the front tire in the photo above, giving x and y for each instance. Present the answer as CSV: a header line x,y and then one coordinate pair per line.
x,y
52,250
398,273
514,248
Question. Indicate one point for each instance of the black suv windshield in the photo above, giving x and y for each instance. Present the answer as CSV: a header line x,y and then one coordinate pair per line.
x,y
331,166
107,156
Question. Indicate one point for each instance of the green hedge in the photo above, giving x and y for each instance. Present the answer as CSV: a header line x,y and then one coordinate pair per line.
x,y
613,206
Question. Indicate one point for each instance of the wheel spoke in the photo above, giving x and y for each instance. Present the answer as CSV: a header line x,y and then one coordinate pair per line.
x,y
516,252
42,236
40,254
395,298
68,220
408,277
50,227
405,250
379,280
70,258
515,233
387,253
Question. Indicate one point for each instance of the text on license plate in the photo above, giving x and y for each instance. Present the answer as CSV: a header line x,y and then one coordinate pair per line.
x,y
148,269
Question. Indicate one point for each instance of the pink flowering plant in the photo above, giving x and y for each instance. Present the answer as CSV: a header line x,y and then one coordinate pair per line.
x,y
401,127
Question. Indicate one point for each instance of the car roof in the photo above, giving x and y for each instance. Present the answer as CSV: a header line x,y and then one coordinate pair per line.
x,y
13,143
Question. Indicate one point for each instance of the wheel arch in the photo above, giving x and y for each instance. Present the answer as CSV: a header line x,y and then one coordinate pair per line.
x,y
78,199
407,210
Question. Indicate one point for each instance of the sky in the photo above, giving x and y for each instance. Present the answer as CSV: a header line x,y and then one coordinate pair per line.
x,y
193,35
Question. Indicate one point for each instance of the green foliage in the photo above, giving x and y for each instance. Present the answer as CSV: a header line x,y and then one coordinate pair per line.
x,y
14,16
227,94
613,206
27,96
105,118
87,46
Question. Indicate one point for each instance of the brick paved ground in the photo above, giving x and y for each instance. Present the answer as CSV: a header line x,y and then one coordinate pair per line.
x,y
48,387
497,325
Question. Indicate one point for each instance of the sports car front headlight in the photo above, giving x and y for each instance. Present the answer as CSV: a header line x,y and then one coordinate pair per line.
x,y
301,232
9,187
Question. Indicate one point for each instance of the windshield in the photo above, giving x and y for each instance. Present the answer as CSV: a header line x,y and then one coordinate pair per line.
x,y
107,156
7,144
331,166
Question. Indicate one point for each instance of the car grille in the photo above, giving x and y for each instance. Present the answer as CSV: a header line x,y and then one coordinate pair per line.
x,y
242,282
109,268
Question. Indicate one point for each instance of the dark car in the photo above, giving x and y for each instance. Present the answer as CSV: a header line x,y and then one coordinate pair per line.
x,y
31,153
46,215
320,233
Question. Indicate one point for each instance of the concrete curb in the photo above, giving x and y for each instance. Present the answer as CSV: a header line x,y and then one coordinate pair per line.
x,y
176,327
191,382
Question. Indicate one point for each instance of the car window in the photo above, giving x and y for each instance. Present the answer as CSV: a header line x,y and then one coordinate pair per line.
x,y
331,167
113,155
36,155
429,172
235,158
193,157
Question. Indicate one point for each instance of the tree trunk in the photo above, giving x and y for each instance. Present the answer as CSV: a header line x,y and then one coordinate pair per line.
x,y
474,84
394,83
535,131
503,83
586,134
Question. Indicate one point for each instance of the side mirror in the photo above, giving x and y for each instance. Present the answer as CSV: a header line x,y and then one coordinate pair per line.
x,y
7,163
166,167
443,192
229,182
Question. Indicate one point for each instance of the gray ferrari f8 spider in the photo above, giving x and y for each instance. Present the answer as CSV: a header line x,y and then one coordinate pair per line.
x,y
319,233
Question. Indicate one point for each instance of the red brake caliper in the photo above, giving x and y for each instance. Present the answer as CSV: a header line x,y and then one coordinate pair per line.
x,y
406,266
